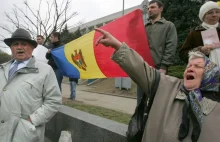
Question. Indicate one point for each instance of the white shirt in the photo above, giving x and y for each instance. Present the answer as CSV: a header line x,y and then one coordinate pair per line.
x,y
21,65
39,53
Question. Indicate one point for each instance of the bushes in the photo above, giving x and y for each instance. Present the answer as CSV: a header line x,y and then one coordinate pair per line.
x,y
184,14
176,71
4,57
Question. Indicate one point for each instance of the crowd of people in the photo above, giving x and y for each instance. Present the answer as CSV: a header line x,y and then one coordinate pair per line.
x,y
187,111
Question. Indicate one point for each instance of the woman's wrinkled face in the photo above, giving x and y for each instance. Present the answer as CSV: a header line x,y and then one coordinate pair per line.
x,y
212,16
193,73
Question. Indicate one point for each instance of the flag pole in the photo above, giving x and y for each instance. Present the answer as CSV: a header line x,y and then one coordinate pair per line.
x,y
120,78
123,7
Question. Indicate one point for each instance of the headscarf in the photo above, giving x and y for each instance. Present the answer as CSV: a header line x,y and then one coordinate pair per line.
x,y
192,107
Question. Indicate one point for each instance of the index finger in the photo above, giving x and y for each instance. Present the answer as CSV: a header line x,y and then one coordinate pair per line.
x,y
101,31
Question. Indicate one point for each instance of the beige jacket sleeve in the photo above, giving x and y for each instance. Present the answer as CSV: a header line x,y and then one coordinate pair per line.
x,y
136,68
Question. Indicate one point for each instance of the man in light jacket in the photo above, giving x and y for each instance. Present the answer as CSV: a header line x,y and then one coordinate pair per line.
x,y
30,95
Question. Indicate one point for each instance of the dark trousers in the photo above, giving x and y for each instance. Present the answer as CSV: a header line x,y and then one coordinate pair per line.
x,y
59,77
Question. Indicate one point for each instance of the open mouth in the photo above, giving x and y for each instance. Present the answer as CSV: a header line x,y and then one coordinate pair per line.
x,y
190,77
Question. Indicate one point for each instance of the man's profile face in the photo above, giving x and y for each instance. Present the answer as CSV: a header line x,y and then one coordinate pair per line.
x,y
154,11
53,38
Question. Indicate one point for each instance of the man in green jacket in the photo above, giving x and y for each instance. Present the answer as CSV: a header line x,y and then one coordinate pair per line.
x,y
162,39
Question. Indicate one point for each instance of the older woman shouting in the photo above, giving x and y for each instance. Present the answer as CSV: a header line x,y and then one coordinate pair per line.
x,y
180,112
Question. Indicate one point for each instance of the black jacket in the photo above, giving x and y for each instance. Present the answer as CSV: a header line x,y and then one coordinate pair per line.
x,y
74,79
49,56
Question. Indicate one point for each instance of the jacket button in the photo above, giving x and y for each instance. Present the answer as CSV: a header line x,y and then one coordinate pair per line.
x,y
2,121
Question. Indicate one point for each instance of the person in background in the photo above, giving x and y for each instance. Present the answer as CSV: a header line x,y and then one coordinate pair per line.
x,y
29,95
162,39
73,83
40,51
188,111
209,14
40,40
55,43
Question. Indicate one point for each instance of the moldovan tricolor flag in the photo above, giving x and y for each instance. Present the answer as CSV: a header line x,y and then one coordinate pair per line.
x,y
80,58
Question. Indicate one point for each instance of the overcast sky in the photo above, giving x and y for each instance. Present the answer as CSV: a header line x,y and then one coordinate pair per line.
x,y
88,10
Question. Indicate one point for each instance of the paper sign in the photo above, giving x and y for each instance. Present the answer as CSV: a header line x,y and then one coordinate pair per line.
x,y
210,37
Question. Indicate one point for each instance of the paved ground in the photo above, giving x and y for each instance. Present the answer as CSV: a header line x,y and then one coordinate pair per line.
x,y
122,104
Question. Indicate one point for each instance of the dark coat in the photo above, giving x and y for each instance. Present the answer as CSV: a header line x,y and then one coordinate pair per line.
x,y
50,57
74,79
193,40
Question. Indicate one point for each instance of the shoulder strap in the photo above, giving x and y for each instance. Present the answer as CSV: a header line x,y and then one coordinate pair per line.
x,y
151,99
153,91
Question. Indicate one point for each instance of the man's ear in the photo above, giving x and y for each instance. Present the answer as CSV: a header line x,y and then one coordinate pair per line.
x,y
161,9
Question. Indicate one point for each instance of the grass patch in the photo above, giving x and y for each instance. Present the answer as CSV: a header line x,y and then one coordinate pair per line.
x,y
99,111
176,71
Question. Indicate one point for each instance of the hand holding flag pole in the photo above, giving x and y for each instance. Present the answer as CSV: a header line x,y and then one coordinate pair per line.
x,y
107,39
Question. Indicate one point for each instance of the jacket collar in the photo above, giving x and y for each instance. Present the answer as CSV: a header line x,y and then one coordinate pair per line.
x,y
162,20
207,105
30,68
57,44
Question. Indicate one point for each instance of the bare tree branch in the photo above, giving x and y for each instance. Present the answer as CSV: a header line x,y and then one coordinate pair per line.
x,y
16,16
4,27
26,16
10,19
49,12
2,37
36,22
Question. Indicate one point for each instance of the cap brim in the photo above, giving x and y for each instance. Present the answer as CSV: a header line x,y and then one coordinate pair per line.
x,y
8,41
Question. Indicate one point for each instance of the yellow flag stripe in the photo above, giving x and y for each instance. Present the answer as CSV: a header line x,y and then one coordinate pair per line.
x,y
85,44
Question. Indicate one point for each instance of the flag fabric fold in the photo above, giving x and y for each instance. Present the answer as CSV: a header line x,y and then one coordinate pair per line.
x,y
80,58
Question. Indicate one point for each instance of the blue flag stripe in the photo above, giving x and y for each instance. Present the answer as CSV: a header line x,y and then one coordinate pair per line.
x,y
63,64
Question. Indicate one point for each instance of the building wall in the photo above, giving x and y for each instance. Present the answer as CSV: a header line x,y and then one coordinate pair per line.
x,y
86,27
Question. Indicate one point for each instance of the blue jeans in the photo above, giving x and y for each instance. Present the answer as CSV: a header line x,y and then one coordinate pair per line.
x,y
139,94
59,77
72,89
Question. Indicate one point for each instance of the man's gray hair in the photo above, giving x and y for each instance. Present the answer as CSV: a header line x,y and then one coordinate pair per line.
x,y
195,54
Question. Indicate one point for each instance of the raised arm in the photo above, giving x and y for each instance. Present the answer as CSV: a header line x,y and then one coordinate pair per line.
x,y
130,61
